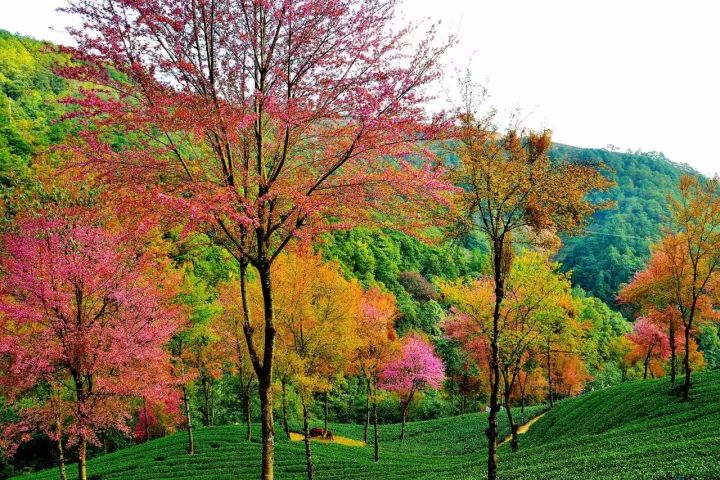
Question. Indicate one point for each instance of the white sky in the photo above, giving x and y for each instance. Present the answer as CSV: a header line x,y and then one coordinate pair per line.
x,y
632,73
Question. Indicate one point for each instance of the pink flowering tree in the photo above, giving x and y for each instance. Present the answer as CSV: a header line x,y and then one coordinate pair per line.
x,y
261,121
84,318
416,368
651,342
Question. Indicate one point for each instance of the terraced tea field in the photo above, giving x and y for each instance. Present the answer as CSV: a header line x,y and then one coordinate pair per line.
x,y
633,431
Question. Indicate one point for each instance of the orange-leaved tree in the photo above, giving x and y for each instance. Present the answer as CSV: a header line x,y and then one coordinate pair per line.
x,y
693,254
512,189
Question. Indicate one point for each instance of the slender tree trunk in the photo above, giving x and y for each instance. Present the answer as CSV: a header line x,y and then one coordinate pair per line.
x,y
60,450
286,425
265,375
404,419
188,419
673,352
212,403
81,394
325,427
492,430
248,410
306,434
514,441
82,460
268,429
377,437
647,360
263,368
367,411
206,387
549,375
245,395
686,364
147,431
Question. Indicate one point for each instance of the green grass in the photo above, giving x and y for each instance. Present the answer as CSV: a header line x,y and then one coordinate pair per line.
x,y
633,431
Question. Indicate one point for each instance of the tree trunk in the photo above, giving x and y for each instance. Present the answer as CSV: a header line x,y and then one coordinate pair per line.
x,y
306,434
147,431
263,368
647,360
212,403
367,412
268,429
514,441
248,411
686,364
82,460
549,375
206,391
325,427
375,424
673,352
286,425
492,430
404,419
188,419
245,397
61,453
264,372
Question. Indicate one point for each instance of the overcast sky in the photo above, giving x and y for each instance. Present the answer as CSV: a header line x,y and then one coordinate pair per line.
x,y
639,74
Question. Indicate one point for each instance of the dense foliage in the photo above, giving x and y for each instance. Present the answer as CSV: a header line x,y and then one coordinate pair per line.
x,y
617,241
375,314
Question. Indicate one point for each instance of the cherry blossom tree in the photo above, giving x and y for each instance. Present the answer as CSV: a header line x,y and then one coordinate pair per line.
x,y
651,342
84,314
416,368
260,121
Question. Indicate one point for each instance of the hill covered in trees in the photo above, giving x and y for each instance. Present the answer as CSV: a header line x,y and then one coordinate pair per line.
x,y
617,240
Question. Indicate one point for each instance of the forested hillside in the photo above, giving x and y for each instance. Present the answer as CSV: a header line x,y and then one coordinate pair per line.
x,y
617,241
30,116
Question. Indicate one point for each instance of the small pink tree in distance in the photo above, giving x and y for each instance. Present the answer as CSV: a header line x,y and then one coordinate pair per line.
x,y
651,342
414,369
85,312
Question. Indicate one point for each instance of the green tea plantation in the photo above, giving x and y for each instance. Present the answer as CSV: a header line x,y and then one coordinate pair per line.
x,y
636,430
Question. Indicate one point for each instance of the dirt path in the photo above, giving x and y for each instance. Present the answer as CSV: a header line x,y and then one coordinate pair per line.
x,y
348,442
523,429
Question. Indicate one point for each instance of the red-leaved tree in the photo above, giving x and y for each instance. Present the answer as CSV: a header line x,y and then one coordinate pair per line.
x,y
414,369
261,121
83,316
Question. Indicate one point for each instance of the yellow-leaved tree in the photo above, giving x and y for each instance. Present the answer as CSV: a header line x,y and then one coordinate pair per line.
x,y
317,311
511,189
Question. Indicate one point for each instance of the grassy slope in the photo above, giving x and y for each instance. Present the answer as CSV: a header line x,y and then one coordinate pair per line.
x,y
633,431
